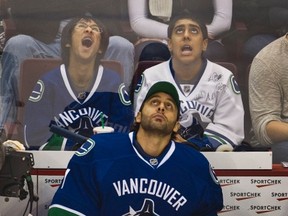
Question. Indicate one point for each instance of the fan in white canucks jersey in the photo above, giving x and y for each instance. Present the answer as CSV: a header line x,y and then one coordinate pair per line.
x,y
141,173
212,114
80,94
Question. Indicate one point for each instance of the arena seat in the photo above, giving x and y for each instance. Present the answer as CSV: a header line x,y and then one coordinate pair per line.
x,y
141,66
30,71
115,66
230,66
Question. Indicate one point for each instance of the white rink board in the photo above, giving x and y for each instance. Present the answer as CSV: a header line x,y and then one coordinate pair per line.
x,y
218,160
240,160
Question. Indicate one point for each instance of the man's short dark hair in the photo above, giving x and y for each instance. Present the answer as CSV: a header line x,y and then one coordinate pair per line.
x,y
187,15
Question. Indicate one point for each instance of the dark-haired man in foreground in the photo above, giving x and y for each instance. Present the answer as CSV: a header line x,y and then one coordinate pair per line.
x,y
143,173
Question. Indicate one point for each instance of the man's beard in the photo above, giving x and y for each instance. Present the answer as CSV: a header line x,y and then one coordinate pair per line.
x,y
157,128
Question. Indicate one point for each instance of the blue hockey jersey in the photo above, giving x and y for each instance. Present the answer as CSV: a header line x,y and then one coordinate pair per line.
x,y
110,175
54,102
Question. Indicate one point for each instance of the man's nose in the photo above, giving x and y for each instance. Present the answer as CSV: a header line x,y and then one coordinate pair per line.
x,y
88,29
186,34
161,107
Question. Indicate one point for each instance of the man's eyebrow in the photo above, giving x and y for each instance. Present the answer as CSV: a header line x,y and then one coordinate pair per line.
x,y
153,96
172,101
157,96
190,25
85,22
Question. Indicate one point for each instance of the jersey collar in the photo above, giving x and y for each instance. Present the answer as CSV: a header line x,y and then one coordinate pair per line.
x,y
154,162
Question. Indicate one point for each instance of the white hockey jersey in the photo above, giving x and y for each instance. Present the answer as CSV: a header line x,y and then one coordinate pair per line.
x,y
213,104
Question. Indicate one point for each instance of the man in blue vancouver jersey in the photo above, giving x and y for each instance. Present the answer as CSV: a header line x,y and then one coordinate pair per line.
x,y
78,95
144,172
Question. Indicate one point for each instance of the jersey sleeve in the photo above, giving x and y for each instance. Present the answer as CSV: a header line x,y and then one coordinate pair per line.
x,y
78,193
121,112
56,210
209,197
228,120
38,115
213,197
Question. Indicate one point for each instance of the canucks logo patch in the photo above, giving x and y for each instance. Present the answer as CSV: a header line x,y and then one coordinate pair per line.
x,y
123,94
38,92
85,148
234,85
139,83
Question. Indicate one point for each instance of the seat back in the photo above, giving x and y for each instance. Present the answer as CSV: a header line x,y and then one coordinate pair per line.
x,y
115,66
140,68
230,66
30,72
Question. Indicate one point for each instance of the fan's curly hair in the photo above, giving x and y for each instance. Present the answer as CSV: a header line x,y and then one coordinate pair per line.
x,y
67,37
